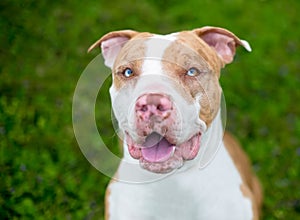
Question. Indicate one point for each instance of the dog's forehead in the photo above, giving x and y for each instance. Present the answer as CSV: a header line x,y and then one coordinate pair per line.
x,y
154,45
147,45
170,48
144,47
157,44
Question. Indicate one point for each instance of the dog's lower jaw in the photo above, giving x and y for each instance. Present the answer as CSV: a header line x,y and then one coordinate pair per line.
x,y
175,162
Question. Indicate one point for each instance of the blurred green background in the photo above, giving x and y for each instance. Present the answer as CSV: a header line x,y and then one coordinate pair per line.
x,y
43,52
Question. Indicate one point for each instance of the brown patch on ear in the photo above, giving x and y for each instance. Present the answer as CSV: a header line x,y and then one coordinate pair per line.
x,y
107,195
112,43
133,50
123,33
106,203
250,187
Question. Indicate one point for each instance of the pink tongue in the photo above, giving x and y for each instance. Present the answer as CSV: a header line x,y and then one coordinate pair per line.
x,y
156,148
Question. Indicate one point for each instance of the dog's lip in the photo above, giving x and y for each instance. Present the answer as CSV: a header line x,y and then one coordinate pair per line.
x,y
160,156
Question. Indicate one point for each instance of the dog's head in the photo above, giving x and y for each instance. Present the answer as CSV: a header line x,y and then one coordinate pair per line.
x,y
165,91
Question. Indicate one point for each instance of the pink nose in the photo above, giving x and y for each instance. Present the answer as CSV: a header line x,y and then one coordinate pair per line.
x,y
153,105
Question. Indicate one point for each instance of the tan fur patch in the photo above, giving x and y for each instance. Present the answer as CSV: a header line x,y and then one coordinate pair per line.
x,y
247,193
189,51
209,55
124,33
106,203
131,56
250,186
107,195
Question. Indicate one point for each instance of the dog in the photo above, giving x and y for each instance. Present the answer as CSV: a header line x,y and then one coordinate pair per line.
x,y
178,163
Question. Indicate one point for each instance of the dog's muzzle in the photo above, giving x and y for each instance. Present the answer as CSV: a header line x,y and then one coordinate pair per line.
x,y
159,127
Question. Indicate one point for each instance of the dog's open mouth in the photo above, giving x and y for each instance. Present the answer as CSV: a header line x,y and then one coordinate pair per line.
x,y
157,154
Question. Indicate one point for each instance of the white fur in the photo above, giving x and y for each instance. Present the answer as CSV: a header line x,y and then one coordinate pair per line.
x,y
155,48
246,45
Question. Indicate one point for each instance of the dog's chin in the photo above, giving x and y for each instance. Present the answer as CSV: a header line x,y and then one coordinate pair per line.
x,y
159,155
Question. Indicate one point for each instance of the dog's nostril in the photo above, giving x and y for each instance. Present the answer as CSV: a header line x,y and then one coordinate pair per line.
x,y
144,108
160,108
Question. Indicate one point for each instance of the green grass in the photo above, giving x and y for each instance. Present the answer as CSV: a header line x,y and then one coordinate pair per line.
x,y
43,52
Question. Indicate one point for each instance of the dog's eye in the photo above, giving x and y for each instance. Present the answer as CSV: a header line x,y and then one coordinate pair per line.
x,y
192,72
128,72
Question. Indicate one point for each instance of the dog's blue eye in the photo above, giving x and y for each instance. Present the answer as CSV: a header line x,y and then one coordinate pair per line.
x,y
192,72
128,72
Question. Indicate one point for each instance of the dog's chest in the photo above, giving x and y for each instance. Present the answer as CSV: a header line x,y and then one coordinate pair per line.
x,y
211,193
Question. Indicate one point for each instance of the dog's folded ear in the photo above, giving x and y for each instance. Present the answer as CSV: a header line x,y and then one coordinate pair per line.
x,y
111,44
222,40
